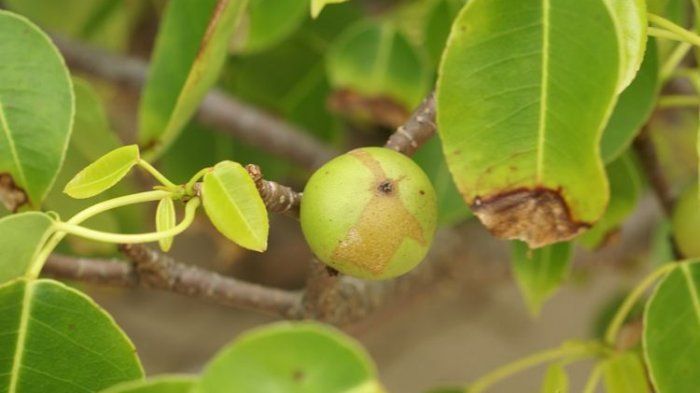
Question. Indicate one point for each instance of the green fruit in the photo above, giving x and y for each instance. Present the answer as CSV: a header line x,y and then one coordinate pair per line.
x,y
370,213
685,223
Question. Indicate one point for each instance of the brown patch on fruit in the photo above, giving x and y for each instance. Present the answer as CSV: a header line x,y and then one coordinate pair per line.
x,y
381,110
383,225
11,195
536,216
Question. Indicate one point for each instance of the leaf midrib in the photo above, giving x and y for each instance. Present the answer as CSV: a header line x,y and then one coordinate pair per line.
x,y
11,143
21,336
231,198
692,288
542,128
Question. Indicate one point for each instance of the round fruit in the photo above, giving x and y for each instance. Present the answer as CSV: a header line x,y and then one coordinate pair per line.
x,y
685,223
370,213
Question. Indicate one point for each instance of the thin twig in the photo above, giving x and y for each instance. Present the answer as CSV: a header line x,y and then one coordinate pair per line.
x,y
419,128
644,146
218,110
277,197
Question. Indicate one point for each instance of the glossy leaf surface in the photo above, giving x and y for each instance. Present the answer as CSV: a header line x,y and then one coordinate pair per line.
x,y
625,373
555,380
165,220
520,118
631,18
22,237
104,173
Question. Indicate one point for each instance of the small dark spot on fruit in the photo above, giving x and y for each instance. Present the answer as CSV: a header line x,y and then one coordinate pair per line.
x,y
421,192
386,187
298,375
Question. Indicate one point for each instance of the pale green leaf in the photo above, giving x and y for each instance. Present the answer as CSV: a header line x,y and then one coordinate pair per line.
x,y
104,173
291,357
539,273
685,222
625,186
56,339
234,205
22,237
671,338
160,384
36,107
165,220
318,5
555,380
184,65
524,92
624,373
377,61
631,19
268,22
633,108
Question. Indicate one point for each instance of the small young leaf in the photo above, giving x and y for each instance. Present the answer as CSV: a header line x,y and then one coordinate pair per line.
x,y
631,19
671,338
56,339
555,380
21,237
165,220
540,272
625,186
234,205
520,120
161,384
318,5
36,109
633,108
291,357
104,173
625,373
269,22
185,64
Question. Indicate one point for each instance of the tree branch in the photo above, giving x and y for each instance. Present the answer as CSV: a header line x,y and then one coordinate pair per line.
x,y
644,146
218,110
277,198
419,128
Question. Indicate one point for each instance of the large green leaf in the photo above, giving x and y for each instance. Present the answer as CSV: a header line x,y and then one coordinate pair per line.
x,y
291,357
104,173
318,5
234,205
671,338
524,92
376,60
624,373
164,384
555,380
269,22
55,339
185,64
631,19
36,107
539,273
633,108
22,237
625,186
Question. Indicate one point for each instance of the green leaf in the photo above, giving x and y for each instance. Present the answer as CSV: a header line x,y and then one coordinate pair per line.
x,y
685,222
633,108
165,220
661,250
625,186
555,380
539,273
377,61
671,339
269,22
22,237
162,384
318,5
437,26
291,357
624,373
631,19
104,173
521,119
234,205
184,65
36,107
451,207
56,339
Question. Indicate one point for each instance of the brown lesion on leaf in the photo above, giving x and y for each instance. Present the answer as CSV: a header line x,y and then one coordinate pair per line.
x,y
11,195
383,225
538,216
380,110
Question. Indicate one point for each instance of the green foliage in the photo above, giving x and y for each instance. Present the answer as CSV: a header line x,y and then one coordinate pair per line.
x,y
165,220
555,380
539,273
287,357
234,205
165,384
184,65
35,122
511,114
685,222
104,173
437,26
318,5
631,19
57,340
268,22
671,328
624,373
23,235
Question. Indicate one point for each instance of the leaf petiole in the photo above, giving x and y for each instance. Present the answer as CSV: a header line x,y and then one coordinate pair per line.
x,y
593,379
671,30
157,175
189,187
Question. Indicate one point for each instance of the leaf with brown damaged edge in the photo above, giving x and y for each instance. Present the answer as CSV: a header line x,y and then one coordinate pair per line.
x,y
521,124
